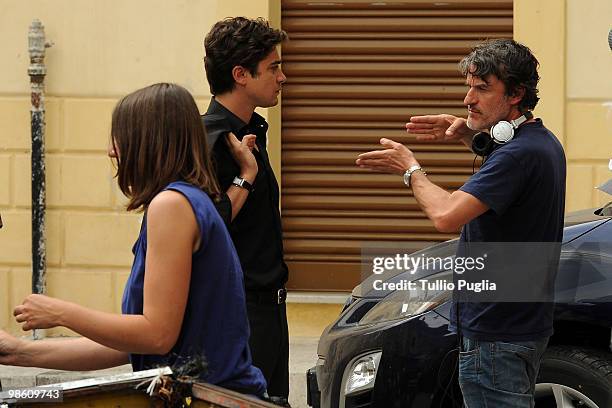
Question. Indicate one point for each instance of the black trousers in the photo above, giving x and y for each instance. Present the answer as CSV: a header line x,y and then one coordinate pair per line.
x,y
269,343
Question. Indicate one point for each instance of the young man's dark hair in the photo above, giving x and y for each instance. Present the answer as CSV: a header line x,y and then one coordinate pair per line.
x,y
237,41
511,62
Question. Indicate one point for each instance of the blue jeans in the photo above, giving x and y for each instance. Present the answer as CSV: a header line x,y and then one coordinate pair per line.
x,y
499,374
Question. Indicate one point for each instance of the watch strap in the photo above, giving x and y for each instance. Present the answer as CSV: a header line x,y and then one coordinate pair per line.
x,y
242,183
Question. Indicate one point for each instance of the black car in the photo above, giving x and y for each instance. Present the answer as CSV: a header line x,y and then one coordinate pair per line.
x,y
377,354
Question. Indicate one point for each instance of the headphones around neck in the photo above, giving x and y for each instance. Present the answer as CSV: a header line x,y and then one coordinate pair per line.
x,y
502,132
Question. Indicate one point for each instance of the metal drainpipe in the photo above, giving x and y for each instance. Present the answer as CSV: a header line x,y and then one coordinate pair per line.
x,y
37,72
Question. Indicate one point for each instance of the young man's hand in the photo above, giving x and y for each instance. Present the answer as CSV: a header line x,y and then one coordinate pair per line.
x,y
242,152
439,127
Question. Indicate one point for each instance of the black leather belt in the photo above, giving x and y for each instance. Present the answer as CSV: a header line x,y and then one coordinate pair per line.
x,y
277,297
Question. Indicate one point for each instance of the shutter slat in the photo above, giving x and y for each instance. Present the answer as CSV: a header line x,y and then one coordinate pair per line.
x,y
378,47
329,246
337,69
357,224
359,114
319,140
340,158
321,92
365,180
398,12
372,238
437,36
327,26
345,192
398,5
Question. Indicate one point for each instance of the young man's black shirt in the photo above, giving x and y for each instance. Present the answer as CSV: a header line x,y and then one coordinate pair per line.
x,y
256,230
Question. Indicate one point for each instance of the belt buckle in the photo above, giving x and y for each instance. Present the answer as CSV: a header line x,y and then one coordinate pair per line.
x,y
281,296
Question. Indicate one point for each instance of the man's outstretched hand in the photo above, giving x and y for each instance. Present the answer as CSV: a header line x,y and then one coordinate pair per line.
x,y
439,127
395,158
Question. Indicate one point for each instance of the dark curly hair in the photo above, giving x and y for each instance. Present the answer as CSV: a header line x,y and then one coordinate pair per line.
x,y
237,41
511,62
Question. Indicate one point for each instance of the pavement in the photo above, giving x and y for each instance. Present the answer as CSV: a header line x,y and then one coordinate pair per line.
x,y
302,356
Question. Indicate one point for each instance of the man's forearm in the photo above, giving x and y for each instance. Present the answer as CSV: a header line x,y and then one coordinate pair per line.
x,y
433,200
237,196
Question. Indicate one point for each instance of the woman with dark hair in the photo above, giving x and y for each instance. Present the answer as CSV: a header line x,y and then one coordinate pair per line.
x,y
185,294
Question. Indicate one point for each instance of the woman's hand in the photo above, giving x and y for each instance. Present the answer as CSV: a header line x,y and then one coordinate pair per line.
x,y
10,348
40,312
242,152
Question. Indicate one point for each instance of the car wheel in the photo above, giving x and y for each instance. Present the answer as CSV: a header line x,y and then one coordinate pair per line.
x,y
574,377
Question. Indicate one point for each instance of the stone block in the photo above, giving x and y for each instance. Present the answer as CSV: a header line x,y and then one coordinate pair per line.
x,y
6,311
16,237
589,126
100,239
15,133
20,287
91,288
87,124
602,174
86,181
580,187
5,179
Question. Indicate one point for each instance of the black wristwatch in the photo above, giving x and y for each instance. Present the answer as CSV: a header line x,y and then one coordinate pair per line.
x,y
242,183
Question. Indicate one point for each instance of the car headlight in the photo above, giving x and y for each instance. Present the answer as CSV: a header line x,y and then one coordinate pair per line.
x,y
410,300
361,374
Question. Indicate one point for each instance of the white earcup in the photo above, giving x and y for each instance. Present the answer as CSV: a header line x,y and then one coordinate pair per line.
x,y
502,132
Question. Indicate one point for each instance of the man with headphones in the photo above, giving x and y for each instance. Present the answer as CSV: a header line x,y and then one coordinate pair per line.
x,y
517,195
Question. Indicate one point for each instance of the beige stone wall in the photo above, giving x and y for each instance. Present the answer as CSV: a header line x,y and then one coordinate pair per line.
x,y
102,50
569,38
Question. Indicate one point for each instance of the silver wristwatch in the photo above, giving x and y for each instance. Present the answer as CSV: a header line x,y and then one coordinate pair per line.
x,y
409,172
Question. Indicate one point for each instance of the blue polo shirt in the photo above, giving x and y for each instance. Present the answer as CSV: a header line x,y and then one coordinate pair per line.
x,y
523,184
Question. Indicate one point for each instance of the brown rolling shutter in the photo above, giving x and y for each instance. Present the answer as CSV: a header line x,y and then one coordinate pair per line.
x,y
357,71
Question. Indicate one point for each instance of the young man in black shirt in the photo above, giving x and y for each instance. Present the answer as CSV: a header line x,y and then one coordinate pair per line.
x,y
517,196
243,70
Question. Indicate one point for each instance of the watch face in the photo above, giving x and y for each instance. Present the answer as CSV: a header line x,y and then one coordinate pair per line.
x,y
407,179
